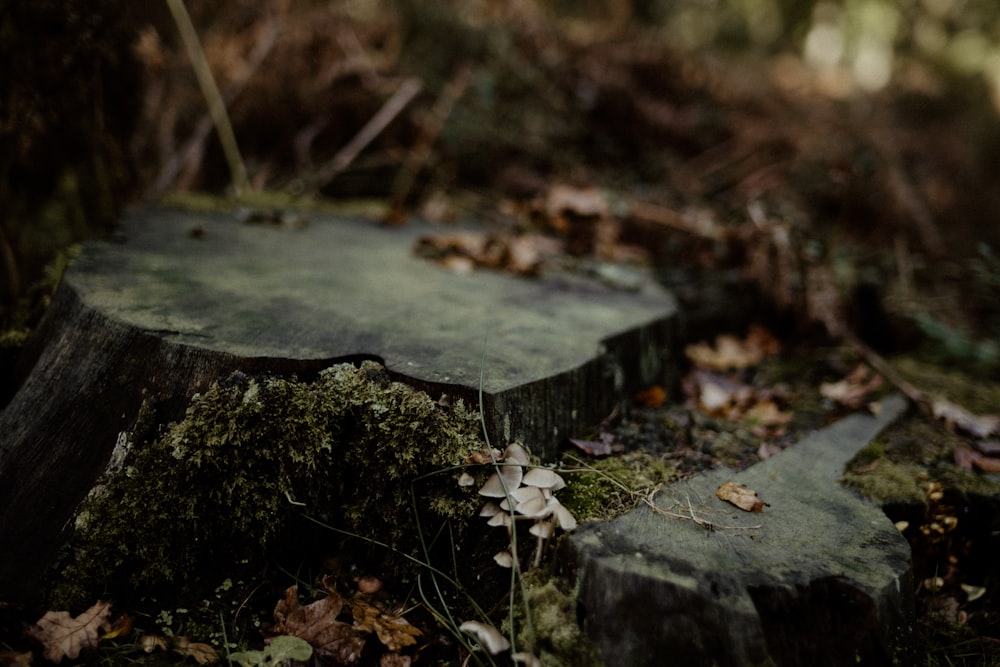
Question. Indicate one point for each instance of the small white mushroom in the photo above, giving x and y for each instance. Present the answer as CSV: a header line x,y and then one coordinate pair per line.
x,y
533,507
526,493
494,488
509,505
499,519
488,636
504,559
525,658
515,453
543,478
466,479
542,529
564,517
489,509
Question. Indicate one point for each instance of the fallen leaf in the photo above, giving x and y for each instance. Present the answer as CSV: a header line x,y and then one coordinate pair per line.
x,y
394,632
203,654
603,447
852,389
62,636
652,397
967,459
150,643
742,496
955,416
316,623
731,352
767,413
121,626
987,463
767,450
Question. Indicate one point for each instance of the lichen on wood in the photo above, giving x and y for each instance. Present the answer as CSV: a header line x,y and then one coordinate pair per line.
x,y
221,488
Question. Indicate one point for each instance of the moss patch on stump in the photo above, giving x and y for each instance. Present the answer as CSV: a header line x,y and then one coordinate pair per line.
x,y
218,491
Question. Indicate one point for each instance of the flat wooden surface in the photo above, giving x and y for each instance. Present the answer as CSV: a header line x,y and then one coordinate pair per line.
x,y
351,288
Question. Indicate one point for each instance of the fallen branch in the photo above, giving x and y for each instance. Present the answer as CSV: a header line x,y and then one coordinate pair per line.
x,y
407,90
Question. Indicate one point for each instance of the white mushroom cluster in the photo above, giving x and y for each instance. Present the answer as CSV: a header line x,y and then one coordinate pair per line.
x,y
525,496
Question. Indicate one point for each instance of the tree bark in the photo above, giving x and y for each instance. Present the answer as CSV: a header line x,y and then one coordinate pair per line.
x,y
140,325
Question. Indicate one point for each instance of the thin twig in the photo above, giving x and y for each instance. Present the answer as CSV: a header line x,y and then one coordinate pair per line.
x,y
374,127
189,155
419,154
216,105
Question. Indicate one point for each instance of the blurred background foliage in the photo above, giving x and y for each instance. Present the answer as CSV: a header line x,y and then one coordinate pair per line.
x,y
866,131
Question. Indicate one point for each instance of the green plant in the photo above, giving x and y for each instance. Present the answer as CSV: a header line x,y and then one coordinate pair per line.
x,y
279,650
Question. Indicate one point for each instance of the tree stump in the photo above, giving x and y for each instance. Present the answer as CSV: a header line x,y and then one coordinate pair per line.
x,y
819,577
178,300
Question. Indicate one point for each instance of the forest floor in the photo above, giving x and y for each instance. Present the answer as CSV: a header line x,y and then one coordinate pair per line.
x,y
848,227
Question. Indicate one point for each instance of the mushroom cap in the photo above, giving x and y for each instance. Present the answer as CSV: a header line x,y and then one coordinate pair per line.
x,y
564,517
489,509
494,488
525,658
543,478
533,507
542,529
504,559
466,479
488,636
499,519
515,453
526,493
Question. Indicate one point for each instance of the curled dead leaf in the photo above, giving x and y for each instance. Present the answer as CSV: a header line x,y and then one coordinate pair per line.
x,y
394,632
731,352
852,390
150,643
742,496
955,416
203,654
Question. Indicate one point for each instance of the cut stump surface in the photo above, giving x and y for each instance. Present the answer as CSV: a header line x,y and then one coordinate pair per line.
x,y
819,577
180,299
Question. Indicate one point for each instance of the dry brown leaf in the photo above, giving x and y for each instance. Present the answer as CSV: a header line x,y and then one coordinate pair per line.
x,y
742,496
394,632
603,447
653,397
987,463
316,623
955,416
150,643
852,390
767,413
732,353
62,636
203,654
767,450
121,626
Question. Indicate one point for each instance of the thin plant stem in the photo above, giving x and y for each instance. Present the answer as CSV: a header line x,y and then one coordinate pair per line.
x,y
216,105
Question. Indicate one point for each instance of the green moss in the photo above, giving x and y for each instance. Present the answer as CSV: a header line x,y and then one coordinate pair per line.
x,y
607,487
889,482
221,490
554,635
